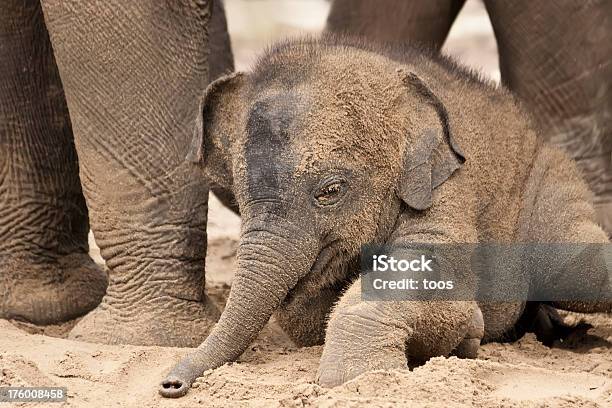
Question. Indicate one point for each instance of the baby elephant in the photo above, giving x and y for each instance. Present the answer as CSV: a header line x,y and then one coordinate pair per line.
x,y
331,144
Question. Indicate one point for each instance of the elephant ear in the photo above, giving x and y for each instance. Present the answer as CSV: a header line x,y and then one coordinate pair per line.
x,y
210,131
433,158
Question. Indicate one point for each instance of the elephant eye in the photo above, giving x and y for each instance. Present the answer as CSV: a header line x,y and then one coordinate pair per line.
x,y
330,191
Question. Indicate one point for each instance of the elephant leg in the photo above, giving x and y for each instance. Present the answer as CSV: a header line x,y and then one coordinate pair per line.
x,y
46,274
221,58
379,335
220,62
398,21
556,57
133,73
577,277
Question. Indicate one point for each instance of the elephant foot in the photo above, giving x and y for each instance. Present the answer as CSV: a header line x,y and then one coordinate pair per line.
x,y
366,336
469,346
52,292
163,321
355,343
549,327
336,371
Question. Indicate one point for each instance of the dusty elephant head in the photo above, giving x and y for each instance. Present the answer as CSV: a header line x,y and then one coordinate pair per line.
x,y
322,144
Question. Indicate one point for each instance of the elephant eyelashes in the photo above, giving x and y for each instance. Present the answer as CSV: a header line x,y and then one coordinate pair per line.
x,y
330,191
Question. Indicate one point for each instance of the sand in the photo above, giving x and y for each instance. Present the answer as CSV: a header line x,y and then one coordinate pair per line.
x,y
275,373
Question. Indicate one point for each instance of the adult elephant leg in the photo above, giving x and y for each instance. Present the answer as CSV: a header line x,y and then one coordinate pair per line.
x,y
395,21
556,57
46,275
133,73
221,62
221,58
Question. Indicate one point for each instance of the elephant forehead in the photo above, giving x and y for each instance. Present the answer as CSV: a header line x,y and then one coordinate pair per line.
x,y
274,118
351,126
272,121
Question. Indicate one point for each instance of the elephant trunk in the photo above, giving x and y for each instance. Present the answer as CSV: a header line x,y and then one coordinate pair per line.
x,y
269,266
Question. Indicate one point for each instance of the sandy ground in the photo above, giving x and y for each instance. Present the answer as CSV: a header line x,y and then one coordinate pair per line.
x,y
273,372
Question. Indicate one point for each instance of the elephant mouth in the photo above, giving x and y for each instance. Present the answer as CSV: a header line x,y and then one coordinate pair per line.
x,y
325,257
318,271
